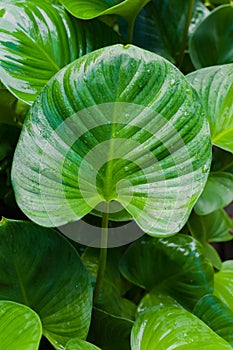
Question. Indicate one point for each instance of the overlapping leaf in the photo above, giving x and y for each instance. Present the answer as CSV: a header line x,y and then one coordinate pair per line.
x,y
75,344
175,266
223,283
211,43
215,88
37,40
39,268
20,327
120,124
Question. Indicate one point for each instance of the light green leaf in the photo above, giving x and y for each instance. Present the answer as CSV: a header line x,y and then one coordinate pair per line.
x,y
94,8
223,283
214,227
218,193
175,266
215,88
78,344
120,125
216,315
171,327
37,40
161,26
110,332
20,327
39,268
211,43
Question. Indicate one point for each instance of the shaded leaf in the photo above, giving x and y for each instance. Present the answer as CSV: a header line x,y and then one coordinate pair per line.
x,y
37,40
175,266
39,268
215,88
20,327
218,193
211,43
172,327
216,315
118,125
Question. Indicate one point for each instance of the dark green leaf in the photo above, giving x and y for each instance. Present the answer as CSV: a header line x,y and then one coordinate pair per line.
x,y
39,268
215,88
216,315
218,193
172,327
37,40
175,266
20,327
223,283
211,43
118,125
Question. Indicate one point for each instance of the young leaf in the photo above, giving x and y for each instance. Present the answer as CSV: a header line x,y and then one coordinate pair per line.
x,y
216,315
20,327
223,283
218,193
211,43
215,88
172,327
175,266
118,125
95,8
36,41
39,268
75,344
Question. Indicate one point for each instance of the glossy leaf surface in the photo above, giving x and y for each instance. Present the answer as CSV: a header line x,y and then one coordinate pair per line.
x,y
120,124
223,283
20,327
216,315
218,193
42,270
95,8
215,88
211,43
175,266
37,40
172,327
78,344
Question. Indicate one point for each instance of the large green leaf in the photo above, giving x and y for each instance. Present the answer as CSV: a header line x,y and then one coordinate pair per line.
x,y
41,269
94,8
223,283
37,40
110,332
78,344
211,43
216,315
172,327
218,193
175,266
162,26
215,88
120,124
20,327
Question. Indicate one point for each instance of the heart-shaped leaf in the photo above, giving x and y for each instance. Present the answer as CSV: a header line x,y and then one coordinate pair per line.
x,y
172,327
119,125
95,8
223,283
20,327
211,43
216,315
37,40
41,269
162,26
76,344
215,88
218,193
175,266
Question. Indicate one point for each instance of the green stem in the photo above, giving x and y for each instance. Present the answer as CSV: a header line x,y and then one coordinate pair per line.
x,y
185,36
131,30
103,254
